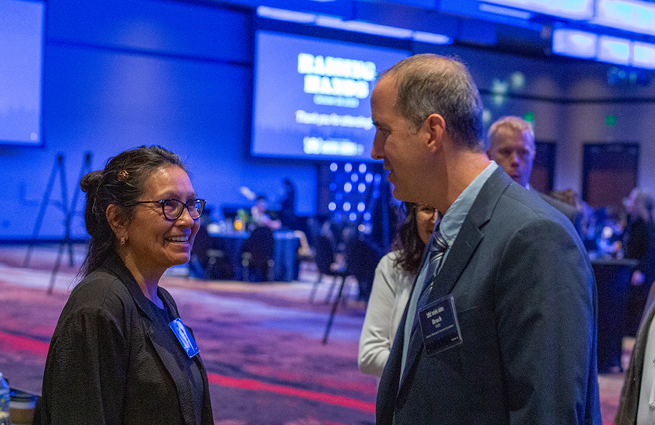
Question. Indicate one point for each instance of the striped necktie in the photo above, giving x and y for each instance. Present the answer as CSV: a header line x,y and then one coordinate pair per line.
x,y
438,247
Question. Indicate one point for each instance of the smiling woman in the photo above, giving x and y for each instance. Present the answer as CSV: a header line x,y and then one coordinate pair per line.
x,y
120,345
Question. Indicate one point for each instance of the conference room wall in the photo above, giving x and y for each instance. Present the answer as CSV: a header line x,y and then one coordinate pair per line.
x,y
633,105
120,74
586,124
570,100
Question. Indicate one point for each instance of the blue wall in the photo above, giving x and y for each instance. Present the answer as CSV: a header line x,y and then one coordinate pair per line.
x,y
119,74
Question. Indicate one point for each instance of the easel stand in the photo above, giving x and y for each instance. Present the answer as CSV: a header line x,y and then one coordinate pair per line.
x,y
69,213
67,240
58,168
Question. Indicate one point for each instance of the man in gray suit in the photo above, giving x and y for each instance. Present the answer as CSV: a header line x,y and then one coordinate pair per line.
x,y
501,327
511,145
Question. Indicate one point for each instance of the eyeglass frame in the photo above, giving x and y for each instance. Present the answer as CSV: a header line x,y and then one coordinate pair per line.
x,y
186,205
420,206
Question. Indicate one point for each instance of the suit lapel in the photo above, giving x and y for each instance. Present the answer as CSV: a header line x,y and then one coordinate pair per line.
x,y
469,237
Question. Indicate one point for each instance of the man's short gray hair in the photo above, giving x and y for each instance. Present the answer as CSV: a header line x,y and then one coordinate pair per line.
x,y
513,122
431,84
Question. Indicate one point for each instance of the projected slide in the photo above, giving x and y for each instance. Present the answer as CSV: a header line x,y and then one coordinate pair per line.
x,y
312,97
21,58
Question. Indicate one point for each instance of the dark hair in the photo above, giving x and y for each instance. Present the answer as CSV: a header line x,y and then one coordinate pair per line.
x,y
121,183
431,84
408,242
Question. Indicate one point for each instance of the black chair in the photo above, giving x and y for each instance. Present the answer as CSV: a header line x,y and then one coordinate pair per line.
x,y
362,259
324,258
208,259
257,255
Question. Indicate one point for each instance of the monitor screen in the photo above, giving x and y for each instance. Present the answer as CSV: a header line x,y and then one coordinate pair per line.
x,y
21,70
312,96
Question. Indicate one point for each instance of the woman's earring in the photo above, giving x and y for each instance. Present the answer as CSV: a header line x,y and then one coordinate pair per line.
x,y
123,241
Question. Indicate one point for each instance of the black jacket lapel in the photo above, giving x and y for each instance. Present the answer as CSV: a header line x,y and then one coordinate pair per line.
x,y
160,341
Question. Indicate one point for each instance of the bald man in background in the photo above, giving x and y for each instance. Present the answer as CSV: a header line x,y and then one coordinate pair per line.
x,y
511,145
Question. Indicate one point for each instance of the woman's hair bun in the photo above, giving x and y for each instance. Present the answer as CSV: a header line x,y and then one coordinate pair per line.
x,y
91,181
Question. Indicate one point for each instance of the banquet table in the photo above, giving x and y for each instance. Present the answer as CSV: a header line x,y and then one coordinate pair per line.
x,y
284,257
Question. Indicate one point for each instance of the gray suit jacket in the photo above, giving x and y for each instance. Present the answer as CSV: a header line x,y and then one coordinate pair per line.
x,y
526,303
568,210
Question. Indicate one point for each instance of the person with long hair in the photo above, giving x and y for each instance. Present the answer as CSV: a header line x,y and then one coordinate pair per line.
x,y
392,285
120,353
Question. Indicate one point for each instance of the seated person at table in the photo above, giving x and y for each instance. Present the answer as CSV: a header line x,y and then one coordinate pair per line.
x,y
260,216
120,353
288,205
393,282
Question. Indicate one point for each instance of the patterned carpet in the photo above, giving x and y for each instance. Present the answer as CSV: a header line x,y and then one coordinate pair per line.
x,y
261,343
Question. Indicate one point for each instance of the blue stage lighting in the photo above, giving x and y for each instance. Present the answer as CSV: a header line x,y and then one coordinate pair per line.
x,y
635,16
569,9
578,44
613,50
643,55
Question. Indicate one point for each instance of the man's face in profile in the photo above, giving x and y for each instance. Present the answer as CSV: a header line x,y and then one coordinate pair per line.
x,y
402,148
514,151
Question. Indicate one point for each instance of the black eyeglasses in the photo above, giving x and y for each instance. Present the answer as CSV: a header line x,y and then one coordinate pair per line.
x,y
427,209
173,208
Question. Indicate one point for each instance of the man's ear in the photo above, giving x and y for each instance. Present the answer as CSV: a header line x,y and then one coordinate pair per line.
x,y
436,128
116,221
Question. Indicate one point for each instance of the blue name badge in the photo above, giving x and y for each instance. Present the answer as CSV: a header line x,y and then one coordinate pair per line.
x,y
439,326
186,340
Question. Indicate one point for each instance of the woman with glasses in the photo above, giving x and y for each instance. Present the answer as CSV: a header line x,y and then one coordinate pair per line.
x,y
392,285
120,353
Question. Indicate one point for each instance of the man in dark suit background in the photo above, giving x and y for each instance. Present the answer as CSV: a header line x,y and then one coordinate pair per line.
x,y
520,345
511,145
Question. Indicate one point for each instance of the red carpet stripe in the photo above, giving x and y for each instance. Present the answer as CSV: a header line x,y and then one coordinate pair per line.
x,y
251,384
23,343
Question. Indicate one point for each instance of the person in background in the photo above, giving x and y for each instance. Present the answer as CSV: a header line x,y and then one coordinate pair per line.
x,y
288,205
500,327
394,277
120,353
610,233
639,244
511,145
638,392
259,214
